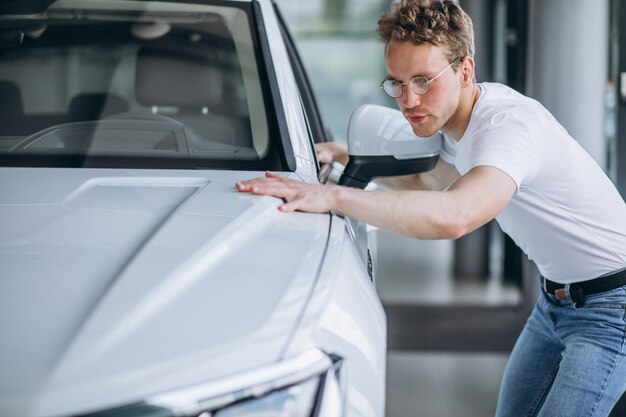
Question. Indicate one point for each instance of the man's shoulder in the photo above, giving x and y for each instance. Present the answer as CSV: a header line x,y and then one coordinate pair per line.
x,y
500,106
500,94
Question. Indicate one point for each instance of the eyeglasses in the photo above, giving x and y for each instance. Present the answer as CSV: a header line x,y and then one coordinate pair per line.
x,y
419,85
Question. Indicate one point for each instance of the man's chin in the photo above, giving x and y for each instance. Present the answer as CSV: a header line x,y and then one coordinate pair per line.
x,y
424,131
426,127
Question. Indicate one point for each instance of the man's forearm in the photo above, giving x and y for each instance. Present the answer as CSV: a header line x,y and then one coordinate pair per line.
x,y
418,214
467,204
407,182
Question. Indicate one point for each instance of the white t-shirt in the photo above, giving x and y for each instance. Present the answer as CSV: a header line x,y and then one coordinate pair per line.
x,y
566,214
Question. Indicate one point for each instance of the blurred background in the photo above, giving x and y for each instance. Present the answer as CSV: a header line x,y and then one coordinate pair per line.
x,y
454,308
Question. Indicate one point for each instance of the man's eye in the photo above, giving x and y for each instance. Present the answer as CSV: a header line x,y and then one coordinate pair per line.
x,y
419,81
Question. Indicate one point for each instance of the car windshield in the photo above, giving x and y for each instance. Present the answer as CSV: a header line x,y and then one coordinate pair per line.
x,y
110,83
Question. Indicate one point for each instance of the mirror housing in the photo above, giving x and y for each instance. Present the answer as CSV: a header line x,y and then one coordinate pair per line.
x,y
381,143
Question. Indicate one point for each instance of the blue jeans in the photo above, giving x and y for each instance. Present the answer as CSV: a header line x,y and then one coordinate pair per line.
x,y
568,361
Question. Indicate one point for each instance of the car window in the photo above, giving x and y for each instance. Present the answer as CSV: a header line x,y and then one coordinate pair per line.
x,y
123,83
307,97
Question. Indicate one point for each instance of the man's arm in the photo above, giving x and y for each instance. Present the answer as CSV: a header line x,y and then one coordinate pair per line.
x,y
470,202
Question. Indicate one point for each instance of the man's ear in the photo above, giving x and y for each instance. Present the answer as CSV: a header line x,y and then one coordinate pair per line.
x,y
467,70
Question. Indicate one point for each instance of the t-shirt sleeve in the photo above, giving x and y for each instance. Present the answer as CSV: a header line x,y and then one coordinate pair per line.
x,y
509,151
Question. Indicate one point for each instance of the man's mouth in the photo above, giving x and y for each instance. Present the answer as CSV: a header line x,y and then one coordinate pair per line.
x,y
416,119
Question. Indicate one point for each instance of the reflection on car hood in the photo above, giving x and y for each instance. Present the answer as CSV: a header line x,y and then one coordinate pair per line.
x,y
115,284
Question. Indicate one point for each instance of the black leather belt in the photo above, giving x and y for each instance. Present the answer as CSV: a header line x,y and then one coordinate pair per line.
x,y
578,290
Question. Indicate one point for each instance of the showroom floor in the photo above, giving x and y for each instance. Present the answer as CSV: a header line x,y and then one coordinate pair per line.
x,y
436,384
442,384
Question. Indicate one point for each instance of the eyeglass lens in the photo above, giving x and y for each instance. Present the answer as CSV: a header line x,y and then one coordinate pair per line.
x,y
393,88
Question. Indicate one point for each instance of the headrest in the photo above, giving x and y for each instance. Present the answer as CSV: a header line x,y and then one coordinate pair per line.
x,y
94,106
169,77
11,100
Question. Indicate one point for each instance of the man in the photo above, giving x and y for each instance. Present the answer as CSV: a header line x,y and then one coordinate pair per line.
x,y
504,156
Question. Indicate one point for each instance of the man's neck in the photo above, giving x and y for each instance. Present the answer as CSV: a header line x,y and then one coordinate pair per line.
x,y
460,120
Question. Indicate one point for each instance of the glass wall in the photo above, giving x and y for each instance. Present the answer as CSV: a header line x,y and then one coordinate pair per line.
x,y
338,43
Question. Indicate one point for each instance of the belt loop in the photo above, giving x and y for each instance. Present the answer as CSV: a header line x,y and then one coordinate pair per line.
x,y
545,284
577,296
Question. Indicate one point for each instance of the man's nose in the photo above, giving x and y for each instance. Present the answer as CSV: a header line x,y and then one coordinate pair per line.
x,y
409,98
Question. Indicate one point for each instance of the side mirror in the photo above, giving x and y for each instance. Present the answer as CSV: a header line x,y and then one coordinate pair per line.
x,y
381,143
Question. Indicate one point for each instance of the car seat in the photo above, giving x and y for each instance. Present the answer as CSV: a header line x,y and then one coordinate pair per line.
x,y
95,106
11,110
190,82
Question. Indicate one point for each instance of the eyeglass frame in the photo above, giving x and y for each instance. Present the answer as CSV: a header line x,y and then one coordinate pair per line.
x,y
417,77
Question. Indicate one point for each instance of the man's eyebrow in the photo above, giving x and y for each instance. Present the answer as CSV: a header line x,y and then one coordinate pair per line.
x,y
394,78
421,75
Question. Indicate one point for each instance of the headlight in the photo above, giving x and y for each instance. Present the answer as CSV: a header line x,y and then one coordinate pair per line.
x,y
295,401
309,384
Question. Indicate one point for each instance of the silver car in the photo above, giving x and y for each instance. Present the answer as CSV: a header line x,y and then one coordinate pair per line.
x,y
134,279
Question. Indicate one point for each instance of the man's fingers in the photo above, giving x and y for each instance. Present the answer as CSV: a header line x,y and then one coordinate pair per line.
x,y
270,174
287,207
248,184
295,194
325,157
245,185
292,205
242,186
278,190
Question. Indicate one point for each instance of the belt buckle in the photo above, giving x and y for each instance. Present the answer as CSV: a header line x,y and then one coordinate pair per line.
x,y
560,294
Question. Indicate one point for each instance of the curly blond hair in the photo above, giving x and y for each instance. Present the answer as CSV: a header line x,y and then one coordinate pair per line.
x,y
436,22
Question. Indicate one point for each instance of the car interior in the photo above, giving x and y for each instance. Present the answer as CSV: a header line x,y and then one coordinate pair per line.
x,y
94,71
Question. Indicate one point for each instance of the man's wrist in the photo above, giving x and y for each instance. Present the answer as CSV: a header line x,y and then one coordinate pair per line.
x,y
336,196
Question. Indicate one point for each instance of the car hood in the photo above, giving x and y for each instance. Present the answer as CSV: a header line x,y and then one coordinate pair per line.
x,y
116,284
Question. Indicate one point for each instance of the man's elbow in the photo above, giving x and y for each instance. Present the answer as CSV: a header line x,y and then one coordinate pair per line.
x,y
456,225
437,230
454,231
